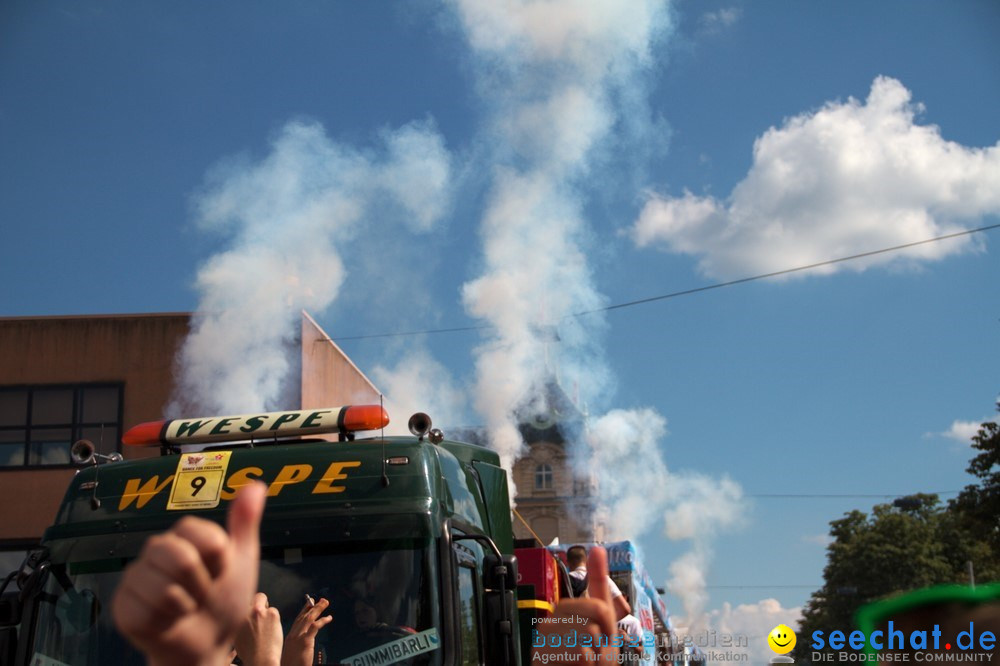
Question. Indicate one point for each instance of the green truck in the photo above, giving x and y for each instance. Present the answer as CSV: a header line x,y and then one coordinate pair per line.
x,y
409,538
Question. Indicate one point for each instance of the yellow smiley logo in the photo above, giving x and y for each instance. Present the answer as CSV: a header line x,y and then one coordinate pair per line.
x,y
781,639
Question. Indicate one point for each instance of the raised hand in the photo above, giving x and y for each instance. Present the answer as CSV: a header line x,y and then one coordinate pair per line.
x,y
582,630
258,642
183,600
300,643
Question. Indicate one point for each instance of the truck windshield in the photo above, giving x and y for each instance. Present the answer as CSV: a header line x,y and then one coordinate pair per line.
x,y
382,597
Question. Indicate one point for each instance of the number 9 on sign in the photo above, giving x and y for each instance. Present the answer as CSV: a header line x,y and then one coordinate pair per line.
x,y
198,481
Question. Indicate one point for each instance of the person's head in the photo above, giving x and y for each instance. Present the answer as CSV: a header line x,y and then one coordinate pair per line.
x,y
364,614
576,557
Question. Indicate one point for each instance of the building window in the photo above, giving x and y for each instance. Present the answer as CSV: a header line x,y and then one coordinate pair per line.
x,y
38,424
543,477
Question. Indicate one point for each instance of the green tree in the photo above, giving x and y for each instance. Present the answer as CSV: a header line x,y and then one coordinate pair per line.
x,y
912,543
978,505
896,547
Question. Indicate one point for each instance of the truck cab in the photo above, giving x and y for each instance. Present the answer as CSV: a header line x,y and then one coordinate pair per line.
x,y
409,538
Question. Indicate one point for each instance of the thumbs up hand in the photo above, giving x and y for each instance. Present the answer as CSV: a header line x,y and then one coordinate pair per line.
x,y
183,600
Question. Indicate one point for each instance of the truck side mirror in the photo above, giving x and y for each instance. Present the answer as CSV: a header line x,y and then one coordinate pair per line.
x,y
500,573
499,583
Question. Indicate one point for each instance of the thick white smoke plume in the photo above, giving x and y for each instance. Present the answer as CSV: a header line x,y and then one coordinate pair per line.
x,y
626,442
536,274
637,487
418,383
698,508
565,82
849,178
559,78
286,220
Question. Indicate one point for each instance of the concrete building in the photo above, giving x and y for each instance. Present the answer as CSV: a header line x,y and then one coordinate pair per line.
x,y
92,377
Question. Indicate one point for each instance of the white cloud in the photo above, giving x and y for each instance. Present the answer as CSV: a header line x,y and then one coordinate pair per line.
x,y
963,431
713,22
755,622
818,539
849,178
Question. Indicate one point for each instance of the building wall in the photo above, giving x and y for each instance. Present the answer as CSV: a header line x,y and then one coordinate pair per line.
x,y
329,378
137,350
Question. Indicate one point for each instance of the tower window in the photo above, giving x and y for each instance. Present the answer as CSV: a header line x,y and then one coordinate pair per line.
x,y
543,477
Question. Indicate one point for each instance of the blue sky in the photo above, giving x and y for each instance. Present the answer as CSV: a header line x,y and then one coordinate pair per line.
x,y
512,168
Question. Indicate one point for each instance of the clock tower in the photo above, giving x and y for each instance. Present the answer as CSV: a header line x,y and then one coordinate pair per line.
x,y
556,491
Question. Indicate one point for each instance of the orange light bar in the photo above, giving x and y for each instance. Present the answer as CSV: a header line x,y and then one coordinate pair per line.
x,y
262,426
144,434
364,417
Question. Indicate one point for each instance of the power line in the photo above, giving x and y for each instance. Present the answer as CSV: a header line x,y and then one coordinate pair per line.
x,y
688,292
763,587
829,262
845,495
399,334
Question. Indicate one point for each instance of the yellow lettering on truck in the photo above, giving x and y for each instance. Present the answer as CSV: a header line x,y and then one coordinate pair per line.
x,y
141,494
335,472
289,474
240,478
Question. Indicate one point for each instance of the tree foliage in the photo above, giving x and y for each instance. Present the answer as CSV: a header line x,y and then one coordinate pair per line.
x,y
912,543
978,504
